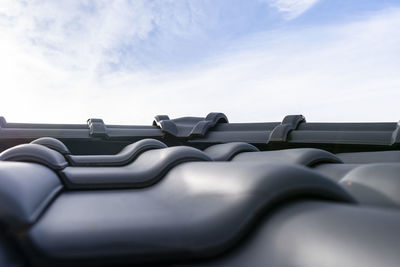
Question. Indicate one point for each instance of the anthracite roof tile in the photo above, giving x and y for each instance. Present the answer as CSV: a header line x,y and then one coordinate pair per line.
x,y
200,191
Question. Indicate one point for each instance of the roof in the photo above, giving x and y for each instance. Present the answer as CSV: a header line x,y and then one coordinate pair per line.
x,y
200,191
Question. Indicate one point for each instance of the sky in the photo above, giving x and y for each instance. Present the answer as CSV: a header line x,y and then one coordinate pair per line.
x,y
254,60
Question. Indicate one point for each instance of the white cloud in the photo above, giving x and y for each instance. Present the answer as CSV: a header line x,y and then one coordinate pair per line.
x,y
336,73
92,35
292,8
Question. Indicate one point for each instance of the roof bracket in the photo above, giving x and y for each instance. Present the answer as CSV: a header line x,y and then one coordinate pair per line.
x,y
189,126
396,135
280,132
97,128
3,122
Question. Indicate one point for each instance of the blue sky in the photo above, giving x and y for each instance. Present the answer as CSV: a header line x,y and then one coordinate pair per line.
x,y
126,61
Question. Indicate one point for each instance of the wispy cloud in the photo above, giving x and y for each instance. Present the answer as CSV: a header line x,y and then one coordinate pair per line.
x,y
97,35
337,72
292,8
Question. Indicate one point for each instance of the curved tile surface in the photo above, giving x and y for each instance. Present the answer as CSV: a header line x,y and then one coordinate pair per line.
x,y
197,210
25,190
370,157
35,153
302,156
317,233
225,152
126,155
147,169
335,171
52,143
376,184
